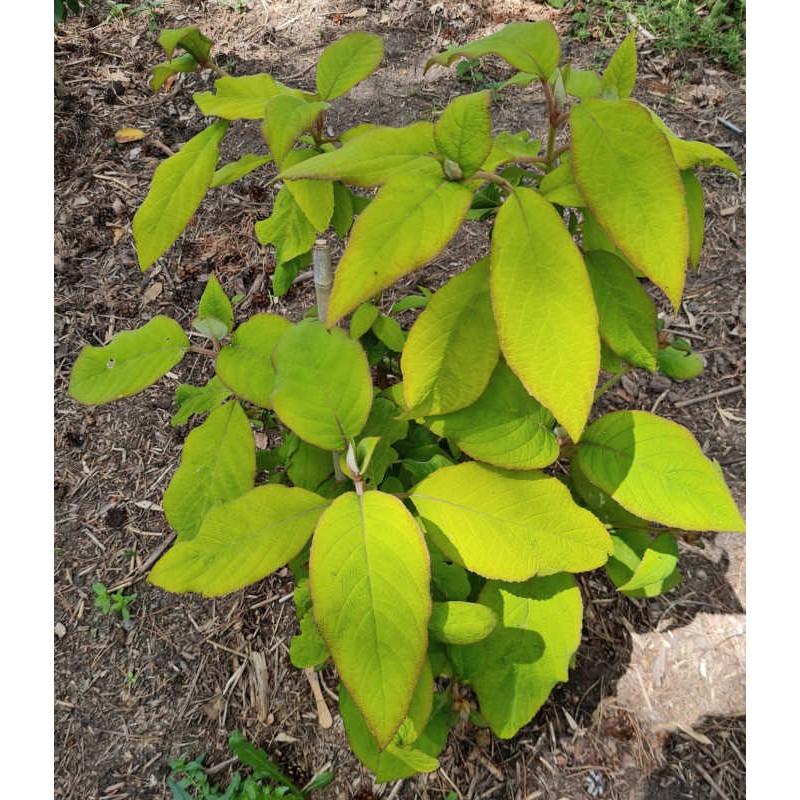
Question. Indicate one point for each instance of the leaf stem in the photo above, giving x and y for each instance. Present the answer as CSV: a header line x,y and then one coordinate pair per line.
x,y
492,178
612,381
204,351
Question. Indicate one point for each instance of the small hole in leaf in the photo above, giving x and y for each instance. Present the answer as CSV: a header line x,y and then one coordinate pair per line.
x,y
110,363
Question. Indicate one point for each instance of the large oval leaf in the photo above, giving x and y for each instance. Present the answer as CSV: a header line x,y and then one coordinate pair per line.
x,y
369,574
373,156
514,670
624,167
544,308
530,46
504,427
452,348
242,97
509,525
464,131
346,62
129,363
241,542
287,117
179,184
655,469
244,364
409,222
218,464
323,389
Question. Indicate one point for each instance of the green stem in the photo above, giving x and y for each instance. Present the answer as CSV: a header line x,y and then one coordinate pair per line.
x,y
612,381
492,178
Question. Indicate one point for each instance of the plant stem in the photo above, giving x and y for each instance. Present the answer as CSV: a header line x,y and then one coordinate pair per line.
x,y
204,351
323,280
323,277
612,381
492,178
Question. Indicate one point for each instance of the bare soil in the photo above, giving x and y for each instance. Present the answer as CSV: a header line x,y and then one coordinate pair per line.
x,y
654,708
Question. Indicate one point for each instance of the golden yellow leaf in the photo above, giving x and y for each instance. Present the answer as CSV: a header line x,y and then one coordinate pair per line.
x,y
125,135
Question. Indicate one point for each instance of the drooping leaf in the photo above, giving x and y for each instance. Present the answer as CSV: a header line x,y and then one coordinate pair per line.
x,y
624,168
516,667
627,314
679,362
388,330
323,389
190,39
132,361
179,185
218,464
287,116
696,208
346,62
509,525
238,169
529,46
691,154
198,399
307,650
362,319
162,72
287,271
457,622
315,199
288,228
244,364
369,575
452,348
504,427
536,264
641,566
241,542
582,83
619,77
399,760
374,156
243,97
464,131
409,222
655,469
342,217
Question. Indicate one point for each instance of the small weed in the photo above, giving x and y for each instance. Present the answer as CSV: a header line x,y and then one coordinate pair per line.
x,y
468,70
715,28
188,779
148,7
118,601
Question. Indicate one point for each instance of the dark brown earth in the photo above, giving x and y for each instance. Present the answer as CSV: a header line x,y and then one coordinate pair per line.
x,y
655,705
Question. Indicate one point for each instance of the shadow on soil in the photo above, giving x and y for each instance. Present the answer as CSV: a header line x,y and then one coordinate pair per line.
x,y
609,618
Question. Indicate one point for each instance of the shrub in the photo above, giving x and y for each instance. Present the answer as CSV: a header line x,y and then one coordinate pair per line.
x,y
435,492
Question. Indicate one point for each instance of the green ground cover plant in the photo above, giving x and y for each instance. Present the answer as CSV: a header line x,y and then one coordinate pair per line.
x,y
109,602
715,28
189,780
435,491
